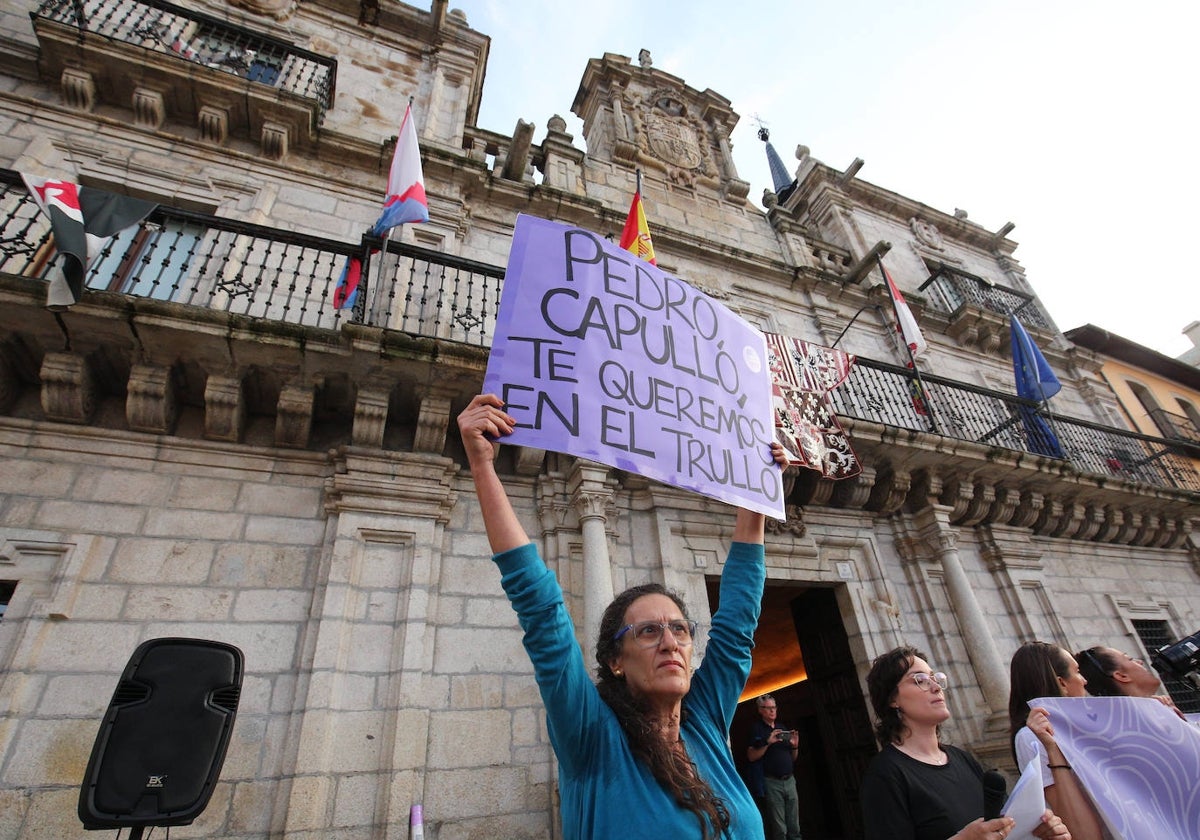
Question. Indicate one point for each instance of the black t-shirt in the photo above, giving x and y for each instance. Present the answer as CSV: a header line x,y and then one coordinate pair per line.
x,y
777,761
906,799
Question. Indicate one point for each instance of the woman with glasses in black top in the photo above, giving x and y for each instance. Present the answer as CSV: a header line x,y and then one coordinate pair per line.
x,y
918,788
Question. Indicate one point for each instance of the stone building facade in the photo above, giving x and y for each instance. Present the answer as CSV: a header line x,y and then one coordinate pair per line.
x,y
203,447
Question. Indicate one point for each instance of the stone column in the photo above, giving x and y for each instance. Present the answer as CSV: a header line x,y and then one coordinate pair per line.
x,y
592,498
989,667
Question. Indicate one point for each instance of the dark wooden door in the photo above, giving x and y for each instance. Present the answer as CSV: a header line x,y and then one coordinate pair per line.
x,y
837,701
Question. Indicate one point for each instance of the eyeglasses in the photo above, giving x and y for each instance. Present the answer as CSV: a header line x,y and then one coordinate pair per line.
x,y
925,681
650,633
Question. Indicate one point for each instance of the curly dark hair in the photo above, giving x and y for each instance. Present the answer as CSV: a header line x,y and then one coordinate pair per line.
x,y
1033,673
671,767
1097,664
883,680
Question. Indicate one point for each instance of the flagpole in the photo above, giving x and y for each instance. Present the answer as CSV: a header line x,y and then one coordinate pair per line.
x,y
860,311
912,361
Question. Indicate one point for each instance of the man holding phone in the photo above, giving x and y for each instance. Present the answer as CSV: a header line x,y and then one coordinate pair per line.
x,y
776,748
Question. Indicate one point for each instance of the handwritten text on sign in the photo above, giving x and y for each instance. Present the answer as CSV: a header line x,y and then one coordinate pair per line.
x,y
604,356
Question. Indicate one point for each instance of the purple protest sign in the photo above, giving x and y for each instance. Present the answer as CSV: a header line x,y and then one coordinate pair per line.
x,y
1137,760
604,356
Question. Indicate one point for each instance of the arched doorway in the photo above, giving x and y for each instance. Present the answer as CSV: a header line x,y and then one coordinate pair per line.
x,y
802,657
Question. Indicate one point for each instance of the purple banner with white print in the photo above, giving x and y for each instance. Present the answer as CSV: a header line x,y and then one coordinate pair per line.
x,y
604,356
1137,760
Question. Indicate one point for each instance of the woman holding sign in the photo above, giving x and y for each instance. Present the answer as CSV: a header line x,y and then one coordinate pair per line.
x,y
1040,669
918,788
642,754
1112,673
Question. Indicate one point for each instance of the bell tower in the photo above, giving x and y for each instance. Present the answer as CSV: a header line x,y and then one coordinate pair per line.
x,y
638,117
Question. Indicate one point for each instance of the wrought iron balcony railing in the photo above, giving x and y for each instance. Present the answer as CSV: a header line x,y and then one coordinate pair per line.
x,y
894,396
261,272
949,289
201,39
1176,427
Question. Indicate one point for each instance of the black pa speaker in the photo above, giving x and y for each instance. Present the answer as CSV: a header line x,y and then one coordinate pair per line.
x,y
163,739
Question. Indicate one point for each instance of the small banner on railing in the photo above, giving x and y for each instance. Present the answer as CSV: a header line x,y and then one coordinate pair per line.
x,y
802,375
604,356
82,220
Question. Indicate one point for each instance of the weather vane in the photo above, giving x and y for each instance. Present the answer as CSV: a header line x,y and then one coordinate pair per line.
x,y
763,133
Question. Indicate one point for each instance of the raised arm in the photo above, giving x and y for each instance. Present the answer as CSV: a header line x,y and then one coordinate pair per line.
x,y
480,424
750,527
1066,796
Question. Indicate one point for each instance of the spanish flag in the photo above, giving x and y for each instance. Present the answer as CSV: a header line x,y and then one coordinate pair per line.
x,y
635,238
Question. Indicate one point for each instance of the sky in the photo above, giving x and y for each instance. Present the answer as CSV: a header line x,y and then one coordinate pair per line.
x,y
1076,121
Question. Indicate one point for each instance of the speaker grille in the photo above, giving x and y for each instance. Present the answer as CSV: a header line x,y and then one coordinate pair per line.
x,y
130,692
227,698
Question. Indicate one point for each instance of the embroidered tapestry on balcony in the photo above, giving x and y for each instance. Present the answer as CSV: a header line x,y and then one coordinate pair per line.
x,y
802,375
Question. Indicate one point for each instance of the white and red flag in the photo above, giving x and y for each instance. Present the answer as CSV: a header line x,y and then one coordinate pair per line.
x,y
405,203
82,220
906,324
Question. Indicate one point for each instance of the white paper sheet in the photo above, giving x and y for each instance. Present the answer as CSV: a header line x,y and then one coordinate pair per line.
x,y
1027,802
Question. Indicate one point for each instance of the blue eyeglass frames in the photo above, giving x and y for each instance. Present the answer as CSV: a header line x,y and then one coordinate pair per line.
x,y
650,633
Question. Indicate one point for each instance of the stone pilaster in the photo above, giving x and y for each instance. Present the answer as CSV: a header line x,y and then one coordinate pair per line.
x,y
224,408
214,124
68,388
78,89
293,416
977,637
150,401
433,420
148,110
10,386
592,498
370,418
274,141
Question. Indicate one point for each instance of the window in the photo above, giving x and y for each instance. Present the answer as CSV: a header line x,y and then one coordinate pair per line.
x,y
7,587
1155,634
264,71
1153,410
1190,422
149,260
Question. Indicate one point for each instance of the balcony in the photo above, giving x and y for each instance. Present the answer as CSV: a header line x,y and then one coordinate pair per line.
x,y
166,61
950,289
261,273
893,396
1179,429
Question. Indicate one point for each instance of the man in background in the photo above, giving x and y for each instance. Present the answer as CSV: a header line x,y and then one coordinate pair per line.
x,y
774,750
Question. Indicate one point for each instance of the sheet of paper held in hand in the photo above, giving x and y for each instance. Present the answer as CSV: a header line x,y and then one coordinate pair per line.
x,y
1027,802
604,356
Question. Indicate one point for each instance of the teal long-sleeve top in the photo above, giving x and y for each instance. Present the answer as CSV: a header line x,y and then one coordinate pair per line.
x,y
607,792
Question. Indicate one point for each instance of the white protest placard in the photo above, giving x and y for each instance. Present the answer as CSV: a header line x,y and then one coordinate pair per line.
x,y
604,356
